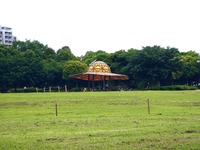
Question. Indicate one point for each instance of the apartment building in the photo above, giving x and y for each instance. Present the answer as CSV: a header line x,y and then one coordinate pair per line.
x,y
6,36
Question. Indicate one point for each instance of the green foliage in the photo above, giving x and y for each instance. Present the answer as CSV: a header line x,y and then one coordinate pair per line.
x,y
119,61
173,87
32,64
49,53
65,54
24,90
53,71
75,89
154,64
190,66
90,56
73,67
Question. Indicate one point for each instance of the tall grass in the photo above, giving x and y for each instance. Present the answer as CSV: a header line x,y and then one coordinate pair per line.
x,y
100,120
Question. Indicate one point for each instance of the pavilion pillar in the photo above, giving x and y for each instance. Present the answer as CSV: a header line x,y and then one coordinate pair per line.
x,y
100,85
93,82
104,84
107,84
88,82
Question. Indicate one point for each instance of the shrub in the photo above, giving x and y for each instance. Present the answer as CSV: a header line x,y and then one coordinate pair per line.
x,y
174,87
23,90
75,90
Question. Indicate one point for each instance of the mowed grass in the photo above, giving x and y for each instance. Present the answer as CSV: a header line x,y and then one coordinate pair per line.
x,y
100,120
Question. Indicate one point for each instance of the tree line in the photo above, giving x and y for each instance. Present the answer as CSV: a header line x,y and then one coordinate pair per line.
x,y
32,64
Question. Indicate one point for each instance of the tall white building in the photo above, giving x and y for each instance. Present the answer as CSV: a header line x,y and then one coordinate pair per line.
x,y
6,36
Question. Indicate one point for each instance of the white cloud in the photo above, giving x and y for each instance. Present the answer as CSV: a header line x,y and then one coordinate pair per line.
x,y
108,25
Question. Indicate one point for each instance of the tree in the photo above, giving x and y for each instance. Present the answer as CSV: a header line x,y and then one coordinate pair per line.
x,y
53,72
73,67
90,56
35,46
189,69
7,55
26,70
49,53
22,64
118,61
64,54
153,65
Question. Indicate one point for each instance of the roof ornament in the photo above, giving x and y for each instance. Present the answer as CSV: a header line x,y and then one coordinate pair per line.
x,y
92,62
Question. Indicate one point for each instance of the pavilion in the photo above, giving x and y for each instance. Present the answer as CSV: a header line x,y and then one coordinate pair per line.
x,y
99,71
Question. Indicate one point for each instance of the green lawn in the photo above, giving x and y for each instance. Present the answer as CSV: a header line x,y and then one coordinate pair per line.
x,y
100,120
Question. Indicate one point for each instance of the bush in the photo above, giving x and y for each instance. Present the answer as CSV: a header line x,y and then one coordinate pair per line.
x,y
23,90
174,87
141,85
75,90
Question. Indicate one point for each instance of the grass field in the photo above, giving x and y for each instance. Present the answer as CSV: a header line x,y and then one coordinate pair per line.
x,y
100,120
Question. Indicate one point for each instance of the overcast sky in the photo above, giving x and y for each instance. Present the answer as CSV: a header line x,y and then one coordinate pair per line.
x,y
108,25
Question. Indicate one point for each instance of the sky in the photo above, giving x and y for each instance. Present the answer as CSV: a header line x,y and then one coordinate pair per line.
x,y
108,25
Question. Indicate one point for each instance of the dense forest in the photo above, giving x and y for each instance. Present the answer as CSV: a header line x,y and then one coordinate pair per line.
x,y
32,64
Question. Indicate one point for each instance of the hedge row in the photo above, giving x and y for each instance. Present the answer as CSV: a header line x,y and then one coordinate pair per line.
x,y
54,89
174,87
33,89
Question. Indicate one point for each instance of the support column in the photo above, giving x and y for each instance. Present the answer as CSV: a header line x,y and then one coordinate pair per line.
x,y
93,82
104,85
88,82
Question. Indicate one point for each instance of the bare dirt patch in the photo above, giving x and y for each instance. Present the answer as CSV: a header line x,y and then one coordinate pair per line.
x,y
55,139
192,131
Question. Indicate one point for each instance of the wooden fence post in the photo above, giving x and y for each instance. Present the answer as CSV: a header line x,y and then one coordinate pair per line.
x,y
50,89
56,108
148,106
65,88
